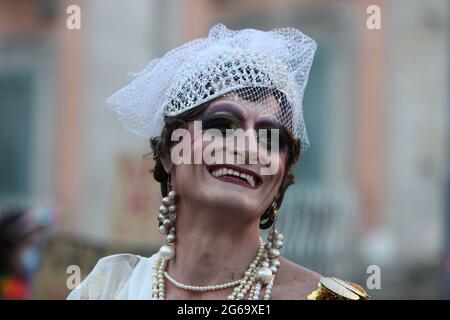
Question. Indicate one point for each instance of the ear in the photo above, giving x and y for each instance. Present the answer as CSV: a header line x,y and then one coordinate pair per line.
x,y
167,163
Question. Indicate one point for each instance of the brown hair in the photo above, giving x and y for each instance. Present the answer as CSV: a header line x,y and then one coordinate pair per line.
x,y
161,145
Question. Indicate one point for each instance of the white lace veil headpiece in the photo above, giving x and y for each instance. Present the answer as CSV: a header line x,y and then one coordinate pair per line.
x,y
275,63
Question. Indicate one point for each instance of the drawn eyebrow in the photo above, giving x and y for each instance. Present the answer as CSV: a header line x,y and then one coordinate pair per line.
x,y
268,122
226,107
234,110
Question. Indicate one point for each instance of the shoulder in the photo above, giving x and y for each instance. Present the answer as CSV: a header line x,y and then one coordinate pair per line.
x,y
119,265
293,281
107,277
122,259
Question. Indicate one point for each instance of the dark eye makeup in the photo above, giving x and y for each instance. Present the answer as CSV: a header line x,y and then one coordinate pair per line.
x,y
223,116
221,121
265,139
227,116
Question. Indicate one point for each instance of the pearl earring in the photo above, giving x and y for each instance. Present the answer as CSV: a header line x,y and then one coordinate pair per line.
x,y
275,241
166,218
265,275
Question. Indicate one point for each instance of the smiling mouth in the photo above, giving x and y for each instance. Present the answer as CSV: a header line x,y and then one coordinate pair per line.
x,y
235,174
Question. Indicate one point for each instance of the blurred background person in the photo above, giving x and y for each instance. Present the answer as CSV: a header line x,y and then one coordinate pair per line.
x,y
22,239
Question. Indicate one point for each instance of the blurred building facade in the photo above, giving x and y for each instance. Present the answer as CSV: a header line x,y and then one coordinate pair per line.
x,y
371,190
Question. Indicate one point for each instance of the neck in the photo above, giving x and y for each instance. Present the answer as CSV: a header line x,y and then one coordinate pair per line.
x,y
212,247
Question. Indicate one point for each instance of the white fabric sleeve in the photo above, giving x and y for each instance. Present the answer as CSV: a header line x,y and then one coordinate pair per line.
x,y
109,275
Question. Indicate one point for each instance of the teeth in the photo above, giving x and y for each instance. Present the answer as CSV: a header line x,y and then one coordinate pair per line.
x,y
226,171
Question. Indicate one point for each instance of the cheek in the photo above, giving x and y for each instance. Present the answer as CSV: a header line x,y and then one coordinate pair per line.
x,y
185,174
283,159
277,178
197,144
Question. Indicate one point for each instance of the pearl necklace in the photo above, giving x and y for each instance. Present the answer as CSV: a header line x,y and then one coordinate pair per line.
x,y
260,273
200,288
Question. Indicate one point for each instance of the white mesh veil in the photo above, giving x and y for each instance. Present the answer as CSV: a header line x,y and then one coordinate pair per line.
x,y
274,63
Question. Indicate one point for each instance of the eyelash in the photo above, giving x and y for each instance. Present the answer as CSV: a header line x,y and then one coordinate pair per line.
x,y
268,143
220,124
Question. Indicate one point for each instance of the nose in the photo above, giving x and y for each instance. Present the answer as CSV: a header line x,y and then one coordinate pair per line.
x,y
246,149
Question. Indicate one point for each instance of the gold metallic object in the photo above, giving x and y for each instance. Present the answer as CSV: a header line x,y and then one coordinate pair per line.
x,y
356,288
336,289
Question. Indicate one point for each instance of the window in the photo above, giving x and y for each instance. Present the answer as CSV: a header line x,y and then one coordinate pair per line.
x,y
15,132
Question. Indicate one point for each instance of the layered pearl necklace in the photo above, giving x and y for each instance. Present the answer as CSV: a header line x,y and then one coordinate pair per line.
x,y
259,275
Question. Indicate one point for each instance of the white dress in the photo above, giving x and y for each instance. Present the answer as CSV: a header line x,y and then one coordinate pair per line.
x,y
118,277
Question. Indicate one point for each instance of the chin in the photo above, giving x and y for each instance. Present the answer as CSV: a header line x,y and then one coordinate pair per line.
x,y
228,199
